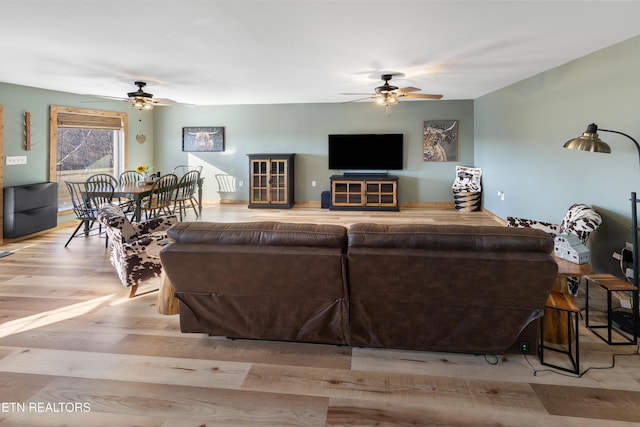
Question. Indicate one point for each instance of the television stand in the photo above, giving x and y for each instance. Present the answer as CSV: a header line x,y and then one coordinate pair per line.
x,y
376,192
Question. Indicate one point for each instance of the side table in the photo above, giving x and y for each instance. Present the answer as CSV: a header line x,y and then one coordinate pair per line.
x,y
611,284
563,303
167,303
555,323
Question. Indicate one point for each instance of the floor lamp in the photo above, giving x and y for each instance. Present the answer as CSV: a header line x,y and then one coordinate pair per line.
x,y
590,141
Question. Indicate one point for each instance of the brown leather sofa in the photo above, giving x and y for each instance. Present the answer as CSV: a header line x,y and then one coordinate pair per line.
x,y
267,280
424,287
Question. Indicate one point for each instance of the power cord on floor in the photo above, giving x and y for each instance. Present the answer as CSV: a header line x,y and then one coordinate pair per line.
x,y
492,362
613,365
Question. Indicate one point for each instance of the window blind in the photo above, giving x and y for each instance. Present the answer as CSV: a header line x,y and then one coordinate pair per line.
x,y
83,121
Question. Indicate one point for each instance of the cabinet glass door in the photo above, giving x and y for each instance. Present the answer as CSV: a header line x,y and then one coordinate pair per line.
x,y
278,182
260,181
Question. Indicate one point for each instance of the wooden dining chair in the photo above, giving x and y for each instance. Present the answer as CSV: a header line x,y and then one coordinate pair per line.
x,y
86,201
181,170
130,176
185,193
102,180
128,205
160,200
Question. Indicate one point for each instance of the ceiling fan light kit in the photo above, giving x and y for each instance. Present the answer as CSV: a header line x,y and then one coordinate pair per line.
x,y
387,99
140,104
388,95
140,99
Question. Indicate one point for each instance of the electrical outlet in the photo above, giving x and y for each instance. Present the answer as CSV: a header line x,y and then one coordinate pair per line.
x,y
313,183
240,183
16,160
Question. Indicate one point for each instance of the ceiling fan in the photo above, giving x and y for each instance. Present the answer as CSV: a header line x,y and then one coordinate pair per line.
x,y
141,100
389,95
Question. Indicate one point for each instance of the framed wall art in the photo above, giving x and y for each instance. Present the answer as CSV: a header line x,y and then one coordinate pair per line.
x,y
203,138
440,141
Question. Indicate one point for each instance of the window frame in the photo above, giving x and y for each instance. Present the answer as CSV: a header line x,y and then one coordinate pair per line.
x,y
56,110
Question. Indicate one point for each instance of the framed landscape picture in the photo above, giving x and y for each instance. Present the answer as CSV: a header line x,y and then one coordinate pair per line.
x,y
440,141
203,138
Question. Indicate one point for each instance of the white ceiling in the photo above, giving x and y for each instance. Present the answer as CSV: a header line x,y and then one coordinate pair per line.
x,y
276,51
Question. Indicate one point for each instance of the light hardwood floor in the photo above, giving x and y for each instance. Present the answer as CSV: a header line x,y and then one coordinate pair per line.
x,y
74,350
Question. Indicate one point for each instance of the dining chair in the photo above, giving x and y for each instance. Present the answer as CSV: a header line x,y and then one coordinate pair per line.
x,y
102,179
181,170
128,205
130,176
86,203
160,200
185,193
226,183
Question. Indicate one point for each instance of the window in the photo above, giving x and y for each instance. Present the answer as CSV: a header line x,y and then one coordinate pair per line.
x,y
84,143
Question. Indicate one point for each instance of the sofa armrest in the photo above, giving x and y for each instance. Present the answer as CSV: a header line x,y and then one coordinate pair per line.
x,y
144,228
547,227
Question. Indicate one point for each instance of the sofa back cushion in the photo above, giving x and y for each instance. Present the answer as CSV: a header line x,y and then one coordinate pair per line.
x,y
448,238
260,234
446,287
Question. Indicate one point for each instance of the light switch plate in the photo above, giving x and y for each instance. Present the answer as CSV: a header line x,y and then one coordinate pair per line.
x,y
16,160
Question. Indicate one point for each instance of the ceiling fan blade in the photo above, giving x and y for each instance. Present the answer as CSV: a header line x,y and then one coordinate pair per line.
x,y
116,98
105,99
164,101
359,99
357,93
421,95
409,89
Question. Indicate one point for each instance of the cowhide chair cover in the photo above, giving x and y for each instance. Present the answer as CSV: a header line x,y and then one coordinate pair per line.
x,y
580,220
129,243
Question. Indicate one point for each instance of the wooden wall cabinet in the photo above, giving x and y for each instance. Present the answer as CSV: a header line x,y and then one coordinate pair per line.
x,y
271,180
364,192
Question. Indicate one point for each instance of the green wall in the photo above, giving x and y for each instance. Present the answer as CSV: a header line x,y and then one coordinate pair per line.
x,y
297,128
303,129
18,99
520,131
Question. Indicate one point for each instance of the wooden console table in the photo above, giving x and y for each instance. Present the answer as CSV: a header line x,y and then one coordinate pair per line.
x,y
364,192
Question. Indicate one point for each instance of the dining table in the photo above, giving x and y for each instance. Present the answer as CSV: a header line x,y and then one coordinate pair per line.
x,y
137,191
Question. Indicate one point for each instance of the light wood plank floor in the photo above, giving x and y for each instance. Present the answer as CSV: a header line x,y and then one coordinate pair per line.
x,y
75,351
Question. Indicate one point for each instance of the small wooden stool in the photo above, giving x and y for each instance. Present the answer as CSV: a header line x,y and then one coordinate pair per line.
x,y
611,284
563,302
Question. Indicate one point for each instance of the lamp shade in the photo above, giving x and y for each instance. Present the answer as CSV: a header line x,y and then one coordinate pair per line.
x,y
589,141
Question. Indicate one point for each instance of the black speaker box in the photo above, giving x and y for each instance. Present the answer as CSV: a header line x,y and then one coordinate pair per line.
x,y
325,199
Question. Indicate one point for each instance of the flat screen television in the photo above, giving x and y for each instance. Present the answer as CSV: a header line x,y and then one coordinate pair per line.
x,y
366,151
